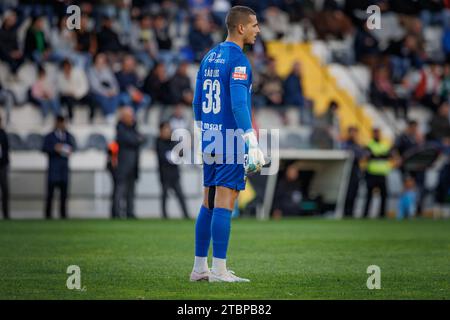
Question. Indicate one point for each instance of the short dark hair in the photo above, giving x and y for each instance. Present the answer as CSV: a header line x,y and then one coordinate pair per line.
x,y
238,15
60,118
412,123
163,124
352,128
65,62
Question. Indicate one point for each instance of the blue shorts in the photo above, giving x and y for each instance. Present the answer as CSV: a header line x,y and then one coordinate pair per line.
x,y
230,175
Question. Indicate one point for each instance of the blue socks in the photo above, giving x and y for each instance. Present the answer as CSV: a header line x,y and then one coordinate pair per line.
x,y
220,230
203,232
215,223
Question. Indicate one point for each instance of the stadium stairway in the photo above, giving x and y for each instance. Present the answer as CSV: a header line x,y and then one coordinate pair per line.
x,y
323,83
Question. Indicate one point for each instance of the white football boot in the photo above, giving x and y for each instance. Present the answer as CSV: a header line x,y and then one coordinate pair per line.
x,y
228,276
200,276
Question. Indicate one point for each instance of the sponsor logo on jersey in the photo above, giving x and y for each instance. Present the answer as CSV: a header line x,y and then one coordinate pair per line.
x,y
211,57
239,73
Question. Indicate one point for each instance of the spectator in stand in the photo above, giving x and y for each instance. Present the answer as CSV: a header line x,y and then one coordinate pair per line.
x,y
384,94
446,43
9,49
178,120
143,43
129,140
445,84
271,85
86,44
440,124
200,38
409,141
104,87
7,100
129,84
293,91
163,39
58,145
4,170
44,93
73,86
352,145
168,170
108,40
180,86
329,21
405,54
36,46
326,131
63,42
366,47
428,81
156,85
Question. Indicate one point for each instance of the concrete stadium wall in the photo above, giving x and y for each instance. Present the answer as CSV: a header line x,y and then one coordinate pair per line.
x,y
90,186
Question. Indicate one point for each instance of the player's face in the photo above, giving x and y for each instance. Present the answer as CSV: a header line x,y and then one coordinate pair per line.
x,y
251,30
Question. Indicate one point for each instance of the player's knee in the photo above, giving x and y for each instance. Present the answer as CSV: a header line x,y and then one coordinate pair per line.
x,y
225,198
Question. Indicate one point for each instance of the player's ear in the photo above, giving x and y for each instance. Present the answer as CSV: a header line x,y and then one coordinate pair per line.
x,y
240,28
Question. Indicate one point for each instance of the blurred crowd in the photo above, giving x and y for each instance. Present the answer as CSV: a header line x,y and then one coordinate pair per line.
x,y
140,53
129,53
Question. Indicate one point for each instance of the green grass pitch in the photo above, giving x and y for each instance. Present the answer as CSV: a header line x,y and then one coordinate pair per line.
x,y
289,259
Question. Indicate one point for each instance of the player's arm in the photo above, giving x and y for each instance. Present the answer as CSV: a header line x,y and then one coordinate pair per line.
x,y
239,88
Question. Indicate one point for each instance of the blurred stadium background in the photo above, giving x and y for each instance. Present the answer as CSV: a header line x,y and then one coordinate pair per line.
x,y
318,70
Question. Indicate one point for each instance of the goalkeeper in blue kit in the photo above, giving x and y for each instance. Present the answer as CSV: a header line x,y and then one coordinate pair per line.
x,y
222,105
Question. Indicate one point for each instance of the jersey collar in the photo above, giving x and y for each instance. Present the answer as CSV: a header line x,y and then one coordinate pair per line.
x,y
231,44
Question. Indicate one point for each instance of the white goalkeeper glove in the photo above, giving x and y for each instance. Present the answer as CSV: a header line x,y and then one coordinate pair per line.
x,y
198,154
255,157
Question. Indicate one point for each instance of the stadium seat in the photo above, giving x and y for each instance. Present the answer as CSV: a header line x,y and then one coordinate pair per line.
x,y
96,141
150,140
321,139
293,141
15,142
34,141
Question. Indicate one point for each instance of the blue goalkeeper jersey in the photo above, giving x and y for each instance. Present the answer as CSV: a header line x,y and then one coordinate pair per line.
x,y
223,87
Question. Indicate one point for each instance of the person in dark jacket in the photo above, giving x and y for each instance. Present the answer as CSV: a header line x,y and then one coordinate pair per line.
x,y
288,194
411,140
129,140
111,166
130,87
180,86
440,124
352,145
9,50
293,91
200,38
156,84
108,39
58,145
36,46
4,170
168,170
